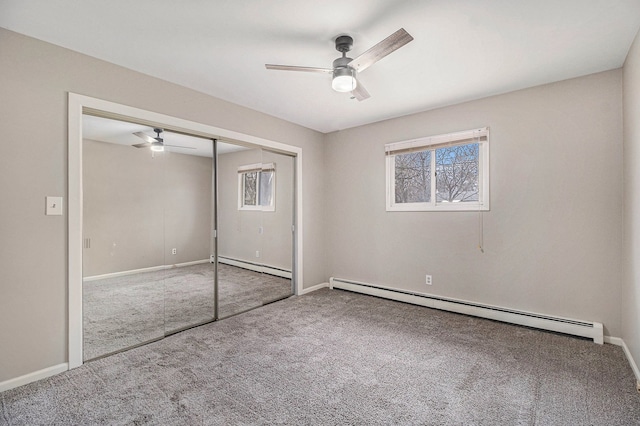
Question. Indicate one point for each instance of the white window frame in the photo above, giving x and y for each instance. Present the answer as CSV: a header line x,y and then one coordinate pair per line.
x,y
260,168
431,143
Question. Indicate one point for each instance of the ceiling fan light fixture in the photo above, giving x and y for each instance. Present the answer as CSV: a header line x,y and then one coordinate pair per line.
x,y
344,69
344,79
157,147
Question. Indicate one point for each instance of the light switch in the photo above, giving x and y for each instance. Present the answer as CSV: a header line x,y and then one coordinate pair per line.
x,y
54,206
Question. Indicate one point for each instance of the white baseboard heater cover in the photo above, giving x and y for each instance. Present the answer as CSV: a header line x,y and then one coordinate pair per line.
x,y
257,267
591,330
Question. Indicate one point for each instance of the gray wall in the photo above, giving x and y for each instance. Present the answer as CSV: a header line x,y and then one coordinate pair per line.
x,y
631,285
238,229
553,237
35,78
138,206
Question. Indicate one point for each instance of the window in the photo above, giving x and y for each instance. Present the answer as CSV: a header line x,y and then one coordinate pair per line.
x,y
444,172
256,187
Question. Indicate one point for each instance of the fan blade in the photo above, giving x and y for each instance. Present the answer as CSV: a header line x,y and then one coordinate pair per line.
x,y
145,137
179,146
390,44
142,145
292,68
360,93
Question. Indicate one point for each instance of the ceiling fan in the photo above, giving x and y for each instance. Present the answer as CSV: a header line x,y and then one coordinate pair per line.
x,y
157,144
345,69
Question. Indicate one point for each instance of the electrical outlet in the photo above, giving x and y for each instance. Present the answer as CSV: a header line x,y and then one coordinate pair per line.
x,y
257,253
174,251
429,280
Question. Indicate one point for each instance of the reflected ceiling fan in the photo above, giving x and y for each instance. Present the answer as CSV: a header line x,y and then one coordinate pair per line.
x,y
345,69
157,144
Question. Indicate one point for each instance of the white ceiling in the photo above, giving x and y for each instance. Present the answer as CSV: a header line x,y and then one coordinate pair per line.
x,y
462,49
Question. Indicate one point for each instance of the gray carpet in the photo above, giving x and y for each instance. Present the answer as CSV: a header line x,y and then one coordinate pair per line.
x,y
338,358
126,311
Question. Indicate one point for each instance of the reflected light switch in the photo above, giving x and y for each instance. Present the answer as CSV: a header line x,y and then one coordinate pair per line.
x,y
54,206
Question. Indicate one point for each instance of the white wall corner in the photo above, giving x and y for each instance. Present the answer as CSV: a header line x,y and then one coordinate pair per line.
x,y
619,342
613,340
314,288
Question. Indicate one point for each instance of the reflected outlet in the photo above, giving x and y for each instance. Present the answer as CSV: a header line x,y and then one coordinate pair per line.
x,y
429,280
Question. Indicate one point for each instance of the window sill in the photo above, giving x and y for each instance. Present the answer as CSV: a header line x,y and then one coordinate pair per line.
x,y
442,207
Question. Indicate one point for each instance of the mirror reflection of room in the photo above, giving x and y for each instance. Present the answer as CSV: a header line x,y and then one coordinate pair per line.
x,y
255,218
147,220
149,253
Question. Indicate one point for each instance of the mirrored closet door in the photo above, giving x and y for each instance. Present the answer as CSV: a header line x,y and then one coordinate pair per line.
x,y
189,279
147,221
178,231
277,224
255,219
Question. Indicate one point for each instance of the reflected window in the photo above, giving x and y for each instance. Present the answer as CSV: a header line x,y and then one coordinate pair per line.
x,y
256,187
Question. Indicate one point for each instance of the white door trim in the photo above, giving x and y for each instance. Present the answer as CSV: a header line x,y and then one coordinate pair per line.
x,y
78,104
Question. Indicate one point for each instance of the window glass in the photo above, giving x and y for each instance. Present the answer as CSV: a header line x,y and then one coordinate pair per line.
x,y
413,177
445,172
256,187
266,188
250,188
457,173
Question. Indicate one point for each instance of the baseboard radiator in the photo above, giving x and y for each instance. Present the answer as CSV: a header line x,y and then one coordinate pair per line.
x,y
591,330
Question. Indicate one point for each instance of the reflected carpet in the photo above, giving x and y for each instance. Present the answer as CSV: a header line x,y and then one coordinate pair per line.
x,y
122,312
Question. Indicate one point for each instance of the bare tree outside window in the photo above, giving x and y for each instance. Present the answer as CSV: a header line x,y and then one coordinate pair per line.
x,y
457,173
250,188
256,187
448,172
413,177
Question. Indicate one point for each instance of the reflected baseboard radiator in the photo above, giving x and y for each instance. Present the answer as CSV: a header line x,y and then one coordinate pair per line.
x,y
591,330
257,267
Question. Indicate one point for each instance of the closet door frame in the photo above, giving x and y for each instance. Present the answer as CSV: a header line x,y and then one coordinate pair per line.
x,y
80,105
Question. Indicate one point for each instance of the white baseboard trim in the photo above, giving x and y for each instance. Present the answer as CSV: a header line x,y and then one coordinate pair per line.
x,y
314,288
139,271
613,340
32,377
257,267
636,371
